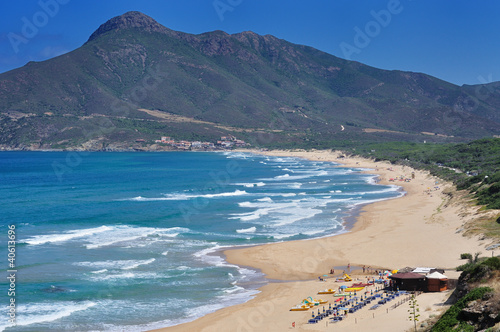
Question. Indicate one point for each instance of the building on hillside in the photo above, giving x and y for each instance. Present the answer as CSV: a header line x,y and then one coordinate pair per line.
x,y
196,145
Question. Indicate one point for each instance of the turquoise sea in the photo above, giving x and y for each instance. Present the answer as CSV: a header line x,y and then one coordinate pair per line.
x,y
130,241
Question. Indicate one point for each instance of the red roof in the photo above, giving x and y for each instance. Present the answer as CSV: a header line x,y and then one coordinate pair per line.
x,y
408,275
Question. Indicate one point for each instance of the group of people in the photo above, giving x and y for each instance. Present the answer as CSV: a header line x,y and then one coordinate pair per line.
x,y
365,270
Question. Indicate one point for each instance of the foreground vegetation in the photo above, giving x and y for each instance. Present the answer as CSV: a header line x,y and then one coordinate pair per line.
x,y
478,305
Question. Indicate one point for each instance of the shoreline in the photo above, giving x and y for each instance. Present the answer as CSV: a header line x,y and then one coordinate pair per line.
x,y
418,228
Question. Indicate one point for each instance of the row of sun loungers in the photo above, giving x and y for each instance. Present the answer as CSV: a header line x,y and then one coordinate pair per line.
x,y
339,308
326,314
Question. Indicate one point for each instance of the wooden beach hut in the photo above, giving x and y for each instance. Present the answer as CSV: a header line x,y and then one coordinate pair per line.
x,y
409,281
437,282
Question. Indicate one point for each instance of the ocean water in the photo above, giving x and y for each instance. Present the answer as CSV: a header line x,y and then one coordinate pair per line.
x,y
130,241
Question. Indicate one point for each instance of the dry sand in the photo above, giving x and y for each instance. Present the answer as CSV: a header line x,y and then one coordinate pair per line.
x,y
420,228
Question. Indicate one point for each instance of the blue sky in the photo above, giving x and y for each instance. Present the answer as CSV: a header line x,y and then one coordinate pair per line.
x,y
454,40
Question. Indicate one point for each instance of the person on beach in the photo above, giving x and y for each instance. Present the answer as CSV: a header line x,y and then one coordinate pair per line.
x,y
364,268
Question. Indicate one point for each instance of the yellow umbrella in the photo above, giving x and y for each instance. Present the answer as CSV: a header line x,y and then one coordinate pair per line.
x,y
394,271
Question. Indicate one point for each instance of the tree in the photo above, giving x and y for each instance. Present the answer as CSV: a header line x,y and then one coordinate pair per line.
x,y
414,311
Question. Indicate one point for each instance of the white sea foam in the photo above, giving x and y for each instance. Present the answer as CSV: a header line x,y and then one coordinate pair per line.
x,y
125,275
66,236
234,289
294,185
297,214
238,155
36,313
383,191
127,235
288,177
105,235
247,230
183,197
100,271
115,265
205,256
251,215
251,185
280,213
138,263
284,236
311,233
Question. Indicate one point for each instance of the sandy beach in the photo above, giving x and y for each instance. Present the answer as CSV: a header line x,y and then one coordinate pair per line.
x,y
422,228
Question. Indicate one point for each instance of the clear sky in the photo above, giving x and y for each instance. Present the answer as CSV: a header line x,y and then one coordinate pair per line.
x,y
454,40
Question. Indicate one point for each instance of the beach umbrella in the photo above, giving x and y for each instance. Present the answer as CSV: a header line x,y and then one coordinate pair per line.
x,y
343,308
343,287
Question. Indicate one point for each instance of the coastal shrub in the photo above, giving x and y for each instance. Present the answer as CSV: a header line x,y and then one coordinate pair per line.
x,y
475,271
473,166
466,256
450,321
464,267
493,263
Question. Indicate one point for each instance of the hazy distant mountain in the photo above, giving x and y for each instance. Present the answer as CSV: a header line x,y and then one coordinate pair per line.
x,y
135,78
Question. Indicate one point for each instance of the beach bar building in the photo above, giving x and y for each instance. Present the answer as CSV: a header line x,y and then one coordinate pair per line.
x,y
437,282
409,281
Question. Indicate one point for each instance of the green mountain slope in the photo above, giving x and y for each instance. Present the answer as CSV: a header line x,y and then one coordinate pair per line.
x,y
222,82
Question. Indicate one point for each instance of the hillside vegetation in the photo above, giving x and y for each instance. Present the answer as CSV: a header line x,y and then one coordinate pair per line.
x,y
473,166
478,299
262,89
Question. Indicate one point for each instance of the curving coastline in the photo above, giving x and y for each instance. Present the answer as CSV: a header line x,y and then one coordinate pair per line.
x,y
418,229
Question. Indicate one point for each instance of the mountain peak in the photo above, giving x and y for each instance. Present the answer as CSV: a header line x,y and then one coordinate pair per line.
x,y
129,20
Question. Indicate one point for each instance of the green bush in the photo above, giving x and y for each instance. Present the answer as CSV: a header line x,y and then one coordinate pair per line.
x,y
466,256
493,263
451,318
465,267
